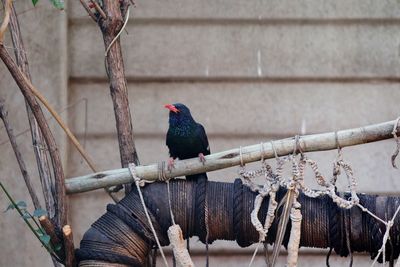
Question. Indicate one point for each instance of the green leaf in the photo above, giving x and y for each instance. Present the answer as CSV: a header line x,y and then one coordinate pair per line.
x,y
45,239
10,207
34,2
39,231
39,212
26,216
58,4
21,204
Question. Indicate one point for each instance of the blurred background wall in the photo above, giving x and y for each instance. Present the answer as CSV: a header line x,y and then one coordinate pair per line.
x,y
250,71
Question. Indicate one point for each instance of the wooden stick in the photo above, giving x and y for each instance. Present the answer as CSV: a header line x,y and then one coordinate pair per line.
x,y
118,85
98,8
69,247
49,229
18,155
229,158
39,144
66,129
88,10
6,20
115,12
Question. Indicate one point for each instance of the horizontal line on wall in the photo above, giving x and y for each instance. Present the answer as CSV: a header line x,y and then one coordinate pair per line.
x,y
270,136
248,21
238,79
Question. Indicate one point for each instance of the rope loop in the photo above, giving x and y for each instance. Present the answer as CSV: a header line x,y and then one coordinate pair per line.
x,y
262,151
397,139
297,146
273,148
161,172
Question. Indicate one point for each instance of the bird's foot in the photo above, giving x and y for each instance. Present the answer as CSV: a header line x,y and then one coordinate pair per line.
x,y
171,164
202,158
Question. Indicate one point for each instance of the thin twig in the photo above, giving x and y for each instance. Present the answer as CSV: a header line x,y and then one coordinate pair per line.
x,y
6,19
229,158
27,222
66,129
26,88
37,138
98,8
49,229
48,119
18,155
88,10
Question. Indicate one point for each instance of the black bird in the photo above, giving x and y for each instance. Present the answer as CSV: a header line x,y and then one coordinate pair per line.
x,y
185,138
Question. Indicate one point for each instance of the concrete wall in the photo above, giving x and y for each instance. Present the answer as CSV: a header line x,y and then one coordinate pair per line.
x,y
250,71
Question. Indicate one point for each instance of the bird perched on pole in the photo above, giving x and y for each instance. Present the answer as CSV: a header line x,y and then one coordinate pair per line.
x,y
185,138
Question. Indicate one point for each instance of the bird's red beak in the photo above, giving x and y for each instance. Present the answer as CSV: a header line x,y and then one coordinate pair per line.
x,y
171,108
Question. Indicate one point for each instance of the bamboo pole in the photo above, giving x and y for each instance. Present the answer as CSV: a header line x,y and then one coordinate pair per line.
x,y
229,158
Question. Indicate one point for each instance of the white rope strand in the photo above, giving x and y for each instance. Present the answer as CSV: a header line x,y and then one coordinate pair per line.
x,y
389,225
137,182
119,33
254,254
170,205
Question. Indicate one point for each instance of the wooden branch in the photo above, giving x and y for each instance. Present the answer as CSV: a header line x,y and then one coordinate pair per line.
x,y
17,40
110,23
39,145
69,247
229,158
110,28
98,8
6,20
49,229
88,10
18,155
26,89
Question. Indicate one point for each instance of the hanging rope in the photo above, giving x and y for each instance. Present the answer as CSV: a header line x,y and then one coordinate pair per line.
x,y
296,182
181,253
138,182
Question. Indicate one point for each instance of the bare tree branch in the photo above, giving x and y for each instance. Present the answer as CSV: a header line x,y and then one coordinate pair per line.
x,y
6,20
49,229
39,145
88,10
111,25
18,155
26,88
98,9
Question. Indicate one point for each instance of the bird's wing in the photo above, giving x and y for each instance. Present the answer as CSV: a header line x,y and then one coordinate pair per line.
x,y
204,139
170,144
